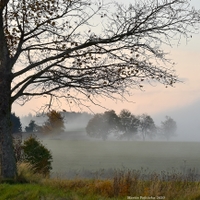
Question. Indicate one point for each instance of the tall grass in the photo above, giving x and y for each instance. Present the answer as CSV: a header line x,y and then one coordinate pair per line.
x,y
26,174
134,183
164,185
125,184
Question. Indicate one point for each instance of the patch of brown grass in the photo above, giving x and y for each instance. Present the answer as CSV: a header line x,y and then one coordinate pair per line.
x,y
125,183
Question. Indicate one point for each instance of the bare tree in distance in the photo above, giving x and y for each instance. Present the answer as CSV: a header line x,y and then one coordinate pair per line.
x,y
79,50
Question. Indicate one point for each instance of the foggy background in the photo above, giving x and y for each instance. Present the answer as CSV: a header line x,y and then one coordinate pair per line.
x,y
182,102
187,119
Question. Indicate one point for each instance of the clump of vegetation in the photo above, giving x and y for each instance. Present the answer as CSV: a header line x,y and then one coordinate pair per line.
x,y
37,155
26,174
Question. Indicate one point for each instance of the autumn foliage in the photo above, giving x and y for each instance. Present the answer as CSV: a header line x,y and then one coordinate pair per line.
x,y
54,123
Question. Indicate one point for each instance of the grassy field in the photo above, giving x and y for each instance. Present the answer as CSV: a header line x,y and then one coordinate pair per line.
x,y
124,185
97,155
140,170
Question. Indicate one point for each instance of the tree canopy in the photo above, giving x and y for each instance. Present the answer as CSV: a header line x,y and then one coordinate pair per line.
x,y
87,50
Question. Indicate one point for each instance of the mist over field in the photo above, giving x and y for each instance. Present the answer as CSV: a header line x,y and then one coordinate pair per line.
x,y
75,153
187,119
188,122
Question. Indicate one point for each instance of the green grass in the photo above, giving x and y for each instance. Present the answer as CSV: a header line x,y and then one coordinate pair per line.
x,y
29,192
99,190
46,192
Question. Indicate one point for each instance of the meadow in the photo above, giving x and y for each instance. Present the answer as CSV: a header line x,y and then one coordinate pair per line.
x,y
111,170
75,157
125,184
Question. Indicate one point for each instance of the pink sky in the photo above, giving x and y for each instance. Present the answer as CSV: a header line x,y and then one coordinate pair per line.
x,y
154,99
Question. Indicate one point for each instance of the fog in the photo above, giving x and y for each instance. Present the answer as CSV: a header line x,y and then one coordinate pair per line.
x,y
187,119
75,153
72,120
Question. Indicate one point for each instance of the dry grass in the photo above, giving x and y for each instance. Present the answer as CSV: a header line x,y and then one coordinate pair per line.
x,y
25,174
125,183
132,183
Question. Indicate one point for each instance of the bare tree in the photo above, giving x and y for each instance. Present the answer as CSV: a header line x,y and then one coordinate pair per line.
x,y
81,49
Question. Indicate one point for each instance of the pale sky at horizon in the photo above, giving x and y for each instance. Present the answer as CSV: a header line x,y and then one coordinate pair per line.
x,y
155,100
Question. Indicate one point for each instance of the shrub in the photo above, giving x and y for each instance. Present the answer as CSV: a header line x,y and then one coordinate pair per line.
x,y
37,155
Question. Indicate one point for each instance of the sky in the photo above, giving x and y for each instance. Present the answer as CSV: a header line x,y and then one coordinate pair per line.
x,y
181,102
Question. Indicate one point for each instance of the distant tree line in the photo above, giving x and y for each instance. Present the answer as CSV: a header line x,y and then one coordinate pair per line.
x,y
125,126
128,126
53,125
51,122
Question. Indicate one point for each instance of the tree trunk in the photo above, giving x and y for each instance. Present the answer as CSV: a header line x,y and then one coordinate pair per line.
x,y
8,162
8,165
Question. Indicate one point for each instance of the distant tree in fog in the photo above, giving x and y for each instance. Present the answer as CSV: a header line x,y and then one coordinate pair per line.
x,y
95,127
32,127
54,123
168,128
101,125
129,124
112,121
147,127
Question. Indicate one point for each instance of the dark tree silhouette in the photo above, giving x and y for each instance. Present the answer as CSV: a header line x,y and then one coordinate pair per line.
x,y
101,125
32,127
16,124
129,124
78,50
